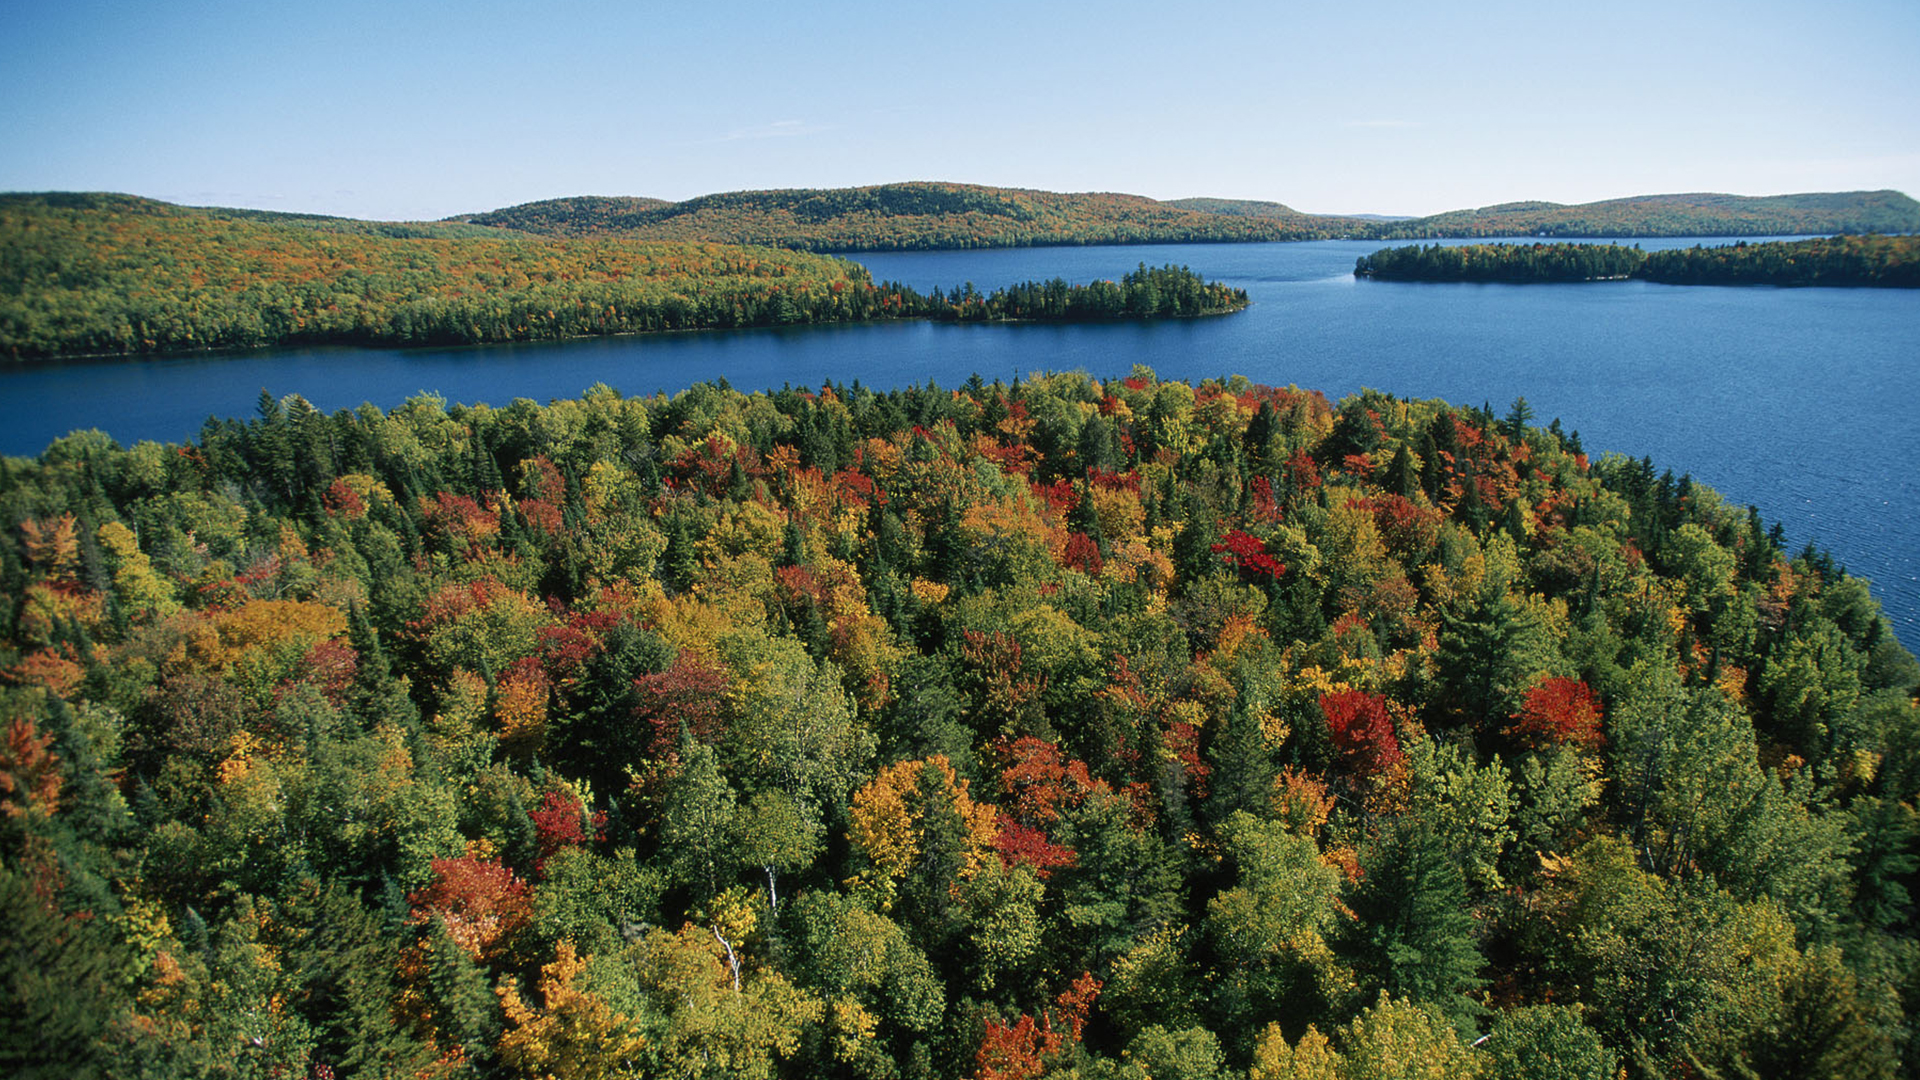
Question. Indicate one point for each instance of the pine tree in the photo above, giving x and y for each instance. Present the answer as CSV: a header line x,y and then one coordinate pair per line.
x,y
1242,777
1402,479
1517,419
60,987
465,1007
1414,934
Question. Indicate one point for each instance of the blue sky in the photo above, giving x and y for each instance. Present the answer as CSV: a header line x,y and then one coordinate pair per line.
x,y
421,110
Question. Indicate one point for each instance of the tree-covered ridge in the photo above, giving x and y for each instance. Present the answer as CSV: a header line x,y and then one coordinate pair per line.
x,y
112,274
1242,208
1673,215
941,216
1064,728
907,216
1872,261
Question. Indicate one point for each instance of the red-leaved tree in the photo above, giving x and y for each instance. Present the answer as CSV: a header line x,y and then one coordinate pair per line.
x,y
691,692
562,823
479,901
1558,710
1022,1050
1035,785
1361,730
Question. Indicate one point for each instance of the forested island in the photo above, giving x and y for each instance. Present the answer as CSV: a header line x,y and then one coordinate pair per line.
x,y
1063,728
915,216
1867,261
103,274
1162,292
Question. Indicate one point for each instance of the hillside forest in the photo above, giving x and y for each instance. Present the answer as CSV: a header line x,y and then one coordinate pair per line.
x,y
912,216
1063,728
83,275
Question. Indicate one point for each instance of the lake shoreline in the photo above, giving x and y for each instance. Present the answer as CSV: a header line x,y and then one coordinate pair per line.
x,y
1693,378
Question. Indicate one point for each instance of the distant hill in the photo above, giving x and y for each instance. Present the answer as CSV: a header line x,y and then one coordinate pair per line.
x,y
1240,207
96,203
938,216
1700,214
910,216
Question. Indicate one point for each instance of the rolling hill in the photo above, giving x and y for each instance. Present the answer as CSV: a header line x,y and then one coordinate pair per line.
x,y
939,215
910,216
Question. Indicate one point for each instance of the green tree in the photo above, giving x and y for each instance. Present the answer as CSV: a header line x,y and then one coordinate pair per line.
x,y
698,834
1544,1042
1414,931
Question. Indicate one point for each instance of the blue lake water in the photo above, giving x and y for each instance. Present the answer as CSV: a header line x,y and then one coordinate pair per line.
x,y
1799,401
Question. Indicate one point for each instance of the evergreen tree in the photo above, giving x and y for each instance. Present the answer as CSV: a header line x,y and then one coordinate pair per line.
x,y
1518,417
1242,776
1402,479
466,1012
61,993
345,962
1414,933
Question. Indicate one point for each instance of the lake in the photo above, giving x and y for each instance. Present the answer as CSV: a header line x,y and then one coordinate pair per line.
x,y
1799,401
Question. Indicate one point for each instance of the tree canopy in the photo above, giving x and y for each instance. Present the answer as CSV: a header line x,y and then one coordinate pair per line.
x,y
1062,727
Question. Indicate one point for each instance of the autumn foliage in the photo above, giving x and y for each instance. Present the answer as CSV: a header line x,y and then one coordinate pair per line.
x,y
1559,710
1361,730
1062,727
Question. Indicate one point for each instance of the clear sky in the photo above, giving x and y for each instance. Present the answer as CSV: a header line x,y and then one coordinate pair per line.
x,y
410,110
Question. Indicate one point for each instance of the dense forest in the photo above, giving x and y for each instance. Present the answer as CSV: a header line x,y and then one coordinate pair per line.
x,y
1872,261
1884,261
1161,292
1061,728
1514,263
112,274
928,215
85,274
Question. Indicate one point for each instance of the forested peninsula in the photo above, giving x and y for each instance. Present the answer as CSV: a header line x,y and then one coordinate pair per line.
x,y
942,216
107,274
1063,728
1863,261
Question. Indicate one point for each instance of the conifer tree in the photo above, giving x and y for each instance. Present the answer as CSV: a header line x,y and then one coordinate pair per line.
x,y
1414,935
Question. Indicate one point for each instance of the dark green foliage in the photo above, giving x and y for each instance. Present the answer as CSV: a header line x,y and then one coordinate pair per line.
x,y
1513,263
1162,292
465,1006
60,988
1881,261
344,964
1415,933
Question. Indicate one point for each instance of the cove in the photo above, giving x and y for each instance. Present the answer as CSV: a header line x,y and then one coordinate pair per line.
x,y
1797,401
